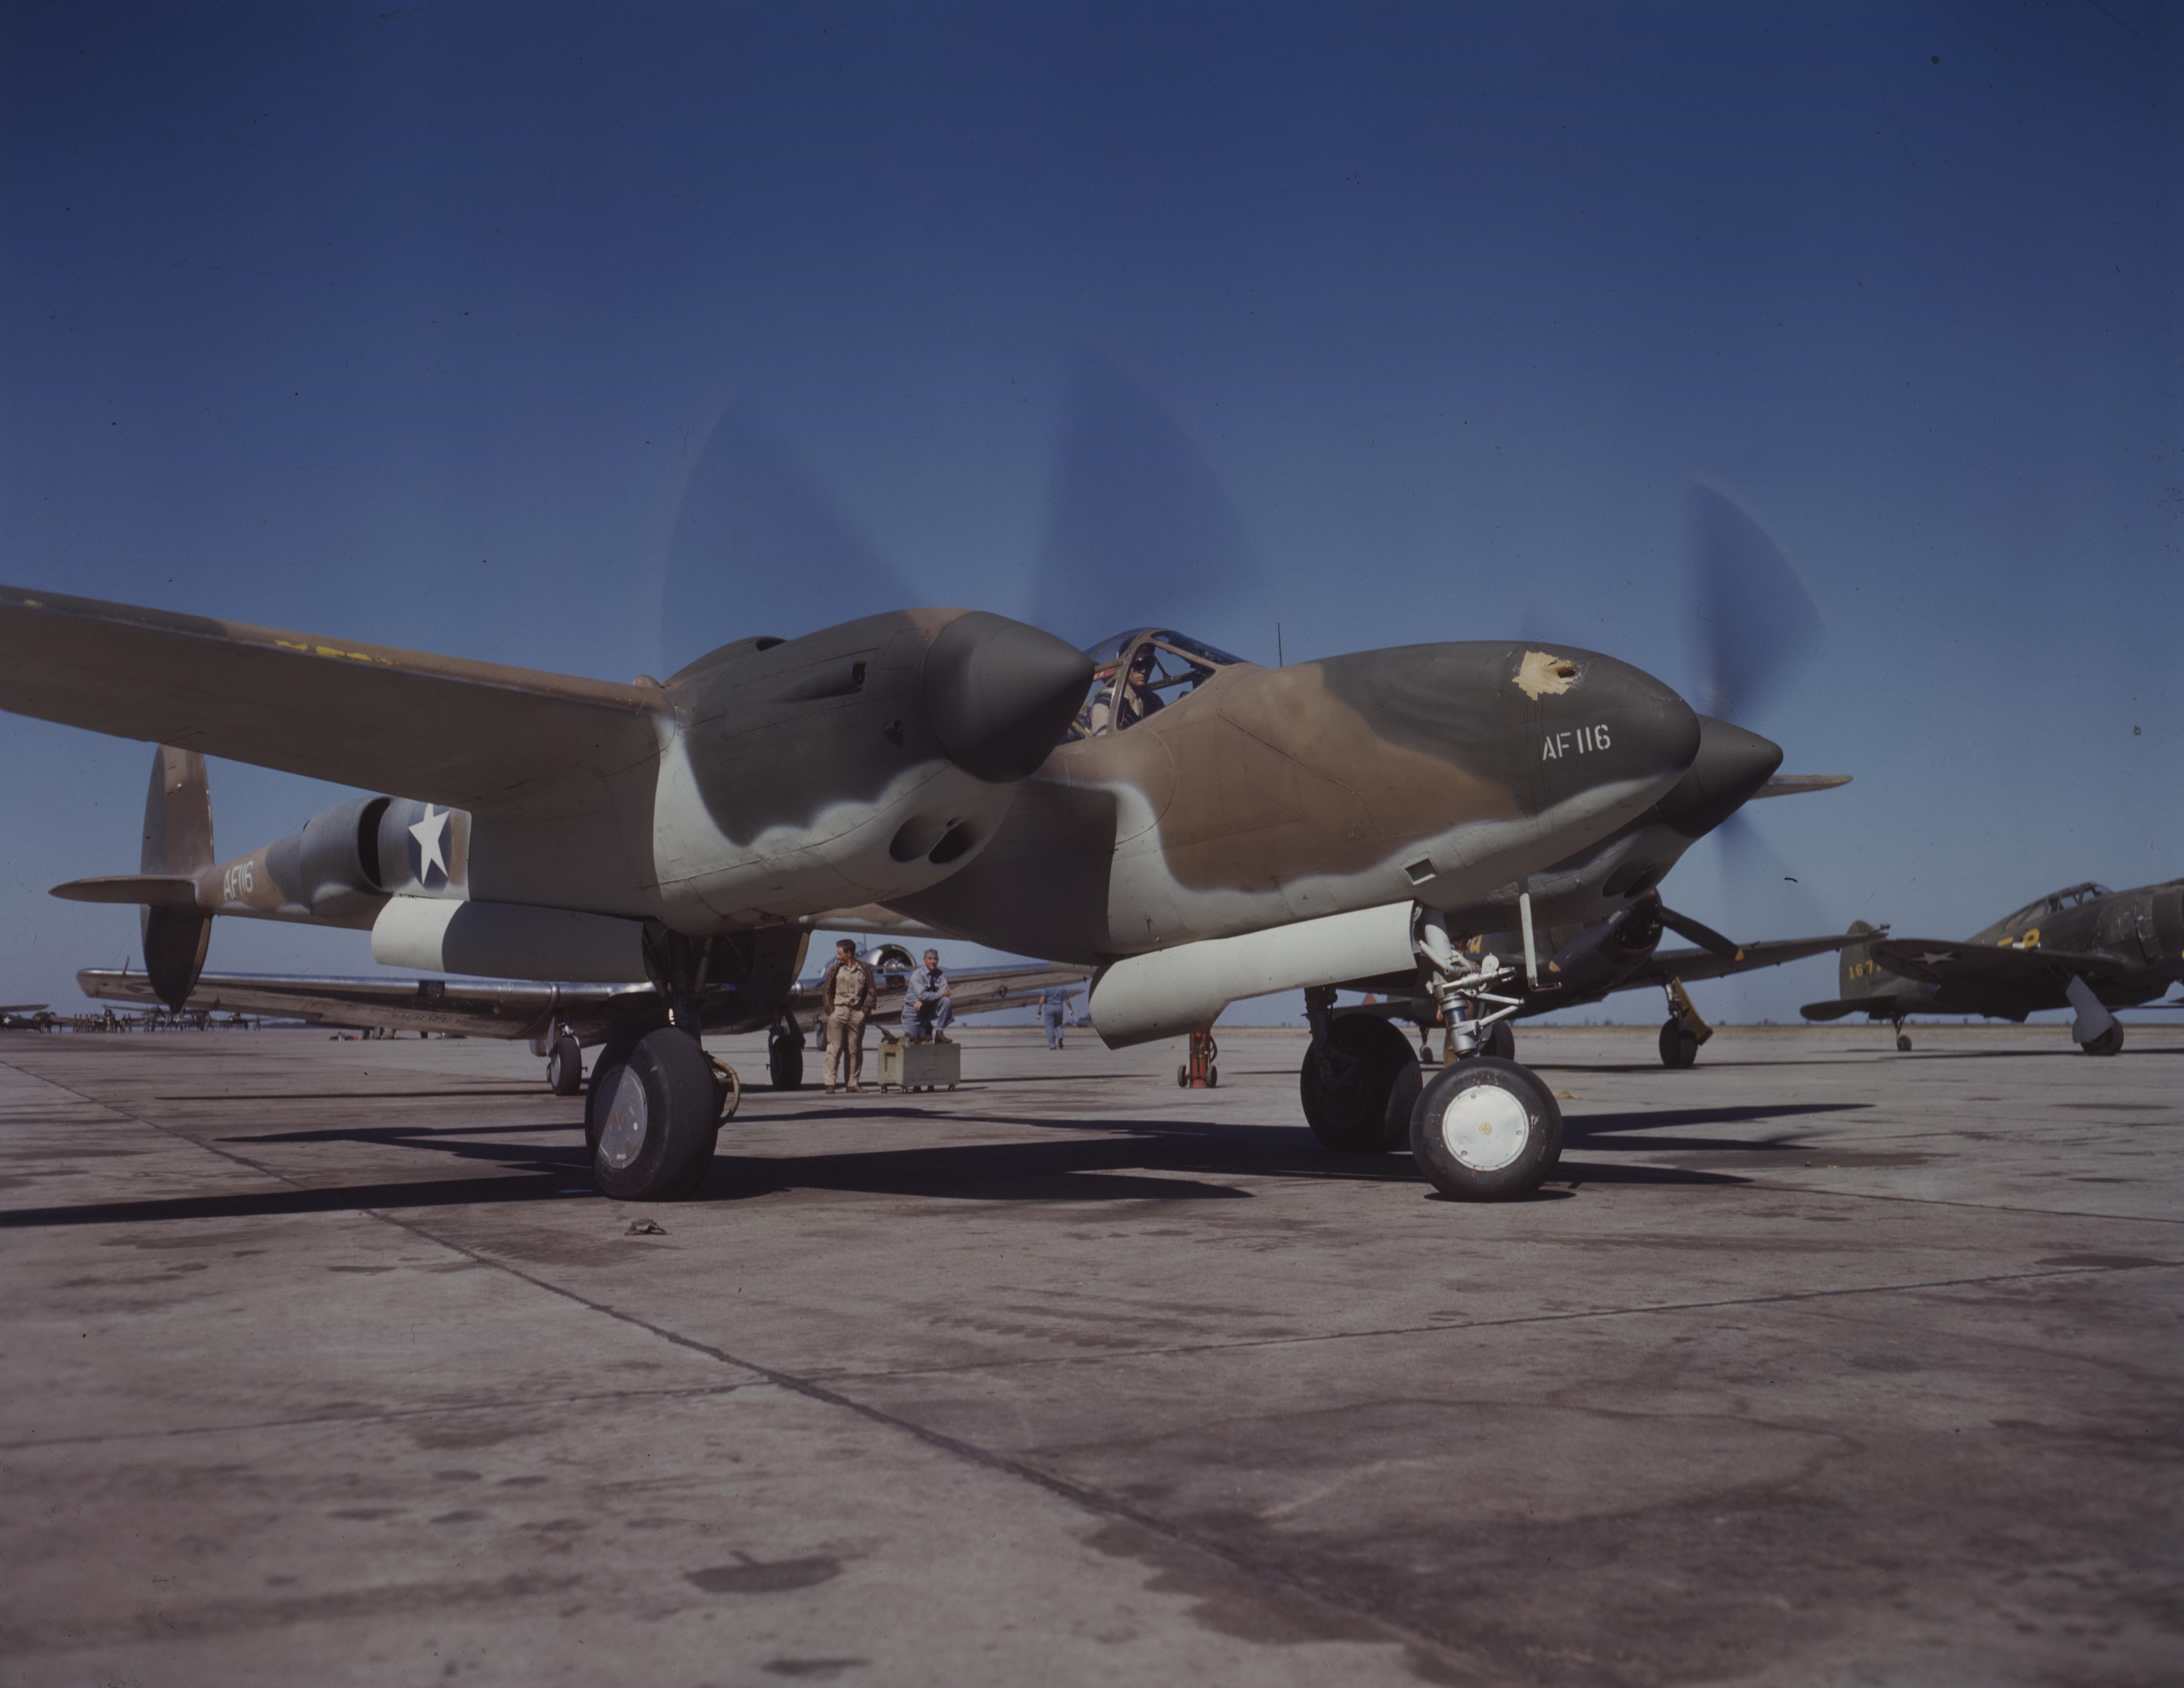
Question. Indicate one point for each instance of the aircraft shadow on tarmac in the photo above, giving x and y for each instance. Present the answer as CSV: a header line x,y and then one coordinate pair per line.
x,y
1133,1161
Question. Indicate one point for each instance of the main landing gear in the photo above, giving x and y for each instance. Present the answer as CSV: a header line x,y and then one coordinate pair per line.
x,y
1358,1080
1903,1038
1684,1031
1483,1129
784,1053
657,1100
565,1065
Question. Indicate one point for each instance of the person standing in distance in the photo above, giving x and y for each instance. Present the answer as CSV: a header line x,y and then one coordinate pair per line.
x,y
1053,1010
847,996
926,1010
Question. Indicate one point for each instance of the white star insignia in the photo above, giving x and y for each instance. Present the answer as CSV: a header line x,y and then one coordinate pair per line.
x,y
429,832
1935,958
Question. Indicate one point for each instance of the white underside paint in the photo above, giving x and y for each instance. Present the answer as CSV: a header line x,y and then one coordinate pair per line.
x,y
1175,990
507,940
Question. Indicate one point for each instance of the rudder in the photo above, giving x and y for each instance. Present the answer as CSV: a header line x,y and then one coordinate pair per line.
x,y
177,839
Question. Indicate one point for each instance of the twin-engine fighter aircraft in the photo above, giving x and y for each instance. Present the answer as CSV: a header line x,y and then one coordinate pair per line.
x,y
1226,831
2085,948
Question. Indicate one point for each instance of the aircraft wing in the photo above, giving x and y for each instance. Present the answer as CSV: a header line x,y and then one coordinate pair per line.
x,y
1932,961
474,1008
471,735
1689,964
970,990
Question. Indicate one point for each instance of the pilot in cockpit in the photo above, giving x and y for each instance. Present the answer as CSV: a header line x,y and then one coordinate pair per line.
x,y
1138,674
1139,698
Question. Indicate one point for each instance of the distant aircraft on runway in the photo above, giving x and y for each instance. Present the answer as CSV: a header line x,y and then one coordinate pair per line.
x,y
2085,947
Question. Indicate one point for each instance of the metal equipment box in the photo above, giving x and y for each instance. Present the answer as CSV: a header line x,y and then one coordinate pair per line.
x,y
907,1065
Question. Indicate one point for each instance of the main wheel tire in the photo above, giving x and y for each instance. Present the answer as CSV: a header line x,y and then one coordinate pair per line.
x,y
1903,1043
564,1067
1352,1116
615,1051
2108,1043
1679,1046
1487,1130
653,1120
784,1061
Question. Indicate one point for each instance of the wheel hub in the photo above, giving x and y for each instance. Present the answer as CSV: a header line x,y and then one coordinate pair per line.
x,y
623,1135
1486,1127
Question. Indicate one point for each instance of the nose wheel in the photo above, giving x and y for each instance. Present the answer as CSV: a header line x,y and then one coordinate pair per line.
x,y
1486,1129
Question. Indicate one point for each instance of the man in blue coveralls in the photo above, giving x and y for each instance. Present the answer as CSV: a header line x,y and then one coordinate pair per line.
x,y
1054,1009
925,1007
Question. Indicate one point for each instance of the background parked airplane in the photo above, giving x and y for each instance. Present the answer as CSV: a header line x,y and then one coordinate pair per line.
x,y
2085,948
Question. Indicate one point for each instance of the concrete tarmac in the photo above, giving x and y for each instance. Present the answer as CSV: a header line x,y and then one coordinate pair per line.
x,y
1817,1364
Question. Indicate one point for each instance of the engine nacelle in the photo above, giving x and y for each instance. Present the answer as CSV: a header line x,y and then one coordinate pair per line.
x,y
1170,992
1607,951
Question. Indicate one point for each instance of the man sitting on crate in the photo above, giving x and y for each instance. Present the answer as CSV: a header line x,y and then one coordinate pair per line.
x,y
926,1011
847,996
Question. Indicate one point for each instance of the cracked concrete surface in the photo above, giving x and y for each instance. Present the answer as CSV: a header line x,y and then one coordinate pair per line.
x,y
1818,1363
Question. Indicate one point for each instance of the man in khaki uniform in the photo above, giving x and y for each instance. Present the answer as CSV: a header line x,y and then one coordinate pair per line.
x,y
848,995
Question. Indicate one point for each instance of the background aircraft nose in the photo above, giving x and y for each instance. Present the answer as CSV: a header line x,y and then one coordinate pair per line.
x,y
1000,694
1731,765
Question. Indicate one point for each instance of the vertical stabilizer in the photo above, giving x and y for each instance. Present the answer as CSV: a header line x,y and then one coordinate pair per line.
x,y
1857,973
177,839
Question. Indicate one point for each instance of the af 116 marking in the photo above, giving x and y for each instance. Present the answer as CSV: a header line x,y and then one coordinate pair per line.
x,y
1588,739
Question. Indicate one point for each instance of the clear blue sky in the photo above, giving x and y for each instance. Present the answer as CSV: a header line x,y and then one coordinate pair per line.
x,y
494,329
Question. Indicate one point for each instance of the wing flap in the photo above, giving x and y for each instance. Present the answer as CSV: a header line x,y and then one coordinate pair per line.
x,y
473,735
476,1008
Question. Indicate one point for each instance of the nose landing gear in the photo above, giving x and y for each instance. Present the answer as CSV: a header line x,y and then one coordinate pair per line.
x,y
1484,1129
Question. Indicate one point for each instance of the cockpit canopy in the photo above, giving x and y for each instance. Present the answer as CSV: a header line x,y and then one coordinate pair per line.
x,y
2056,902
1138,673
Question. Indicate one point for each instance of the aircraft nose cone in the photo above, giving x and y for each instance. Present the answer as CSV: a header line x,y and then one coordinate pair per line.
x,y
1612,721
1000,694
1731,765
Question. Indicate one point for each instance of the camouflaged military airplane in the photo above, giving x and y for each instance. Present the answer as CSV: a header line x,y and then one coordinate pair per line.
x,y
2085,948
1198,827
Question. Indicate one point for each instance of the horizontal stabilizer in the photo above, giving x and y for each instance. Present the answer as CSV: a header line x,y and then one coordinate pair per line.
x,y
152,890
473,735
1789,785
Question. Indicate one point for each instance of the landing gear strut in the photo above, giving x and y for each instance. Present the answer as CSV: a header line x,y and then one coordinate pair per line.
x,y
1903,1038
1484,1129
1199,1073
